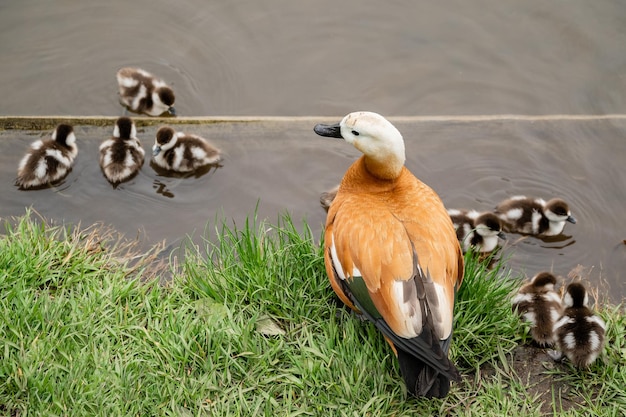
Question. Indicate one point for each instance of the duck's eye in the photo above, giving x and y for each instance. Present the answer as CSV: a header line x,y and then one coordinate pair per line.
x,y
355,133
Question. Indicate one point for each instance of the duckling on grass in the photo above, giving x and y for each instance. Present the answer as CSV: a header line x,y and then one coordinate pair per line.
x,y
579,332
539,304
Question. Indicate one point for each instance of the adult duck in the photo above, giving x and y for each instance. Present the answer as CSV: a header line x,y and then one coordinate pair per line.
x,y
391,252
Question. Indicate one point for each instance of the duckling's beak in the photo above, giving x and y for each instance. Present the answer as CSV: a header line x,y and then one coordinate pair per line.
x,y
502,236
155,150
331,131
172,111
571,219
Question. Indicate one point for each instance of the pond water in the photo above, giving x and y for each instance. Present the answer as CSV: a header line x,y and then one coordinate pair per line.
x,y
286,58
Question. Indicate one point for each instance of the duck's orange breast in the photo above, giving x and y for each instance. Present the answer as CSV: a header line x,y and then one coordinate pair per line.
x,y
396,235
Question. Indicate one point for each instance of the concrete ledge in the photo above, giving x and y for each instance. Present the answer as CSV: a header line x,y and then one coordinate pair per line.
x,y
49,122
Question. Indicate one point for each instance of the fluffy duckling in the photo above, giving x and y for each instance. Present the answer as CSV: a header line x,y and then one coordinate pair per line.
x,y
48,160
534,216
122,156
538,303
142,92
391,252
180,152
579,333
478,230
327,197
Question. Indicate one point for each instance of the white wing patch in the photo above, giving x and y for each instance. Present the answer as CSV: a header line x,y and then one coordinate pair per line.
x,y
594,340
569,341
514,214
567,300
529,316
562,322
521,298
42,169
337,264
535,219
597,320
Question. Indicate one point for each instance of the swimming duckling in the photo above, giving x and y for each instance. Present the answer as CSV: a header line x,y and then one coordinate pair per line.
x,y
579,333
478,230
538,303
534,216
122,156
142,92
327,197
48,160
180,152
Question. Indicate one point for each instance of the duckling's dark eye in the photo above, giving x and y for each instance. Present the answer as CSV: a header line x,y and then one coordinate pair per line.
x,y
355,133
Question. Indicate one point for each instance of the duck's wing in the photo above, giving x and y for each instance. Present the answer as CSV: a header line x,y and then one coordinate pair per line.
x,y
402,275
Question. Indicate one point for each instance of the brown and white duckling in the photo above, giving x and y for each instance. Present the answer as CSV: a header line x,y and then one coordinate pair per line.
x,y
327,197
538,303
142,92
478,230
122,156
579,333
534,216
48,160
180,152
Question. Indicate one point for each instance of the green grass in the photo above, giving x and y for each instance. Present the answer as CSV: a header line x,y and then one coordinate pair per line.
x,y
248,326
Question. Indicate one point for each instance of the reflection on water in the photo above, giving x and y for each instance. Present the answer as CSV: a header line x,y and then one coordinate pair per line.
x,y
162,189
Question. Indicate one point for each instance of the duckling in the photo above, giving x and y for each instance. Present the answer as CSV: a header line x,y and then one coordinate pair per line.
x,y
49,160
180,152
122,156
538,303
327,197
142,92
391,252
478,230
579,333
533,216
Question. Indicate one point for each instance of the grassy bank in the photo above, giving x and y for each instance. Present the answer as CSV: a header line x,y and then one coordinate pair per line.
x,y
86,329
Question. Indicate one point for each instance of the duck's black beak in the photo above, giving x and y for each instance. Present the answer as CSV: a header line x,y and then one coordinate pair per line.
x,y
156,149
502,236
172,111
571,219
331,131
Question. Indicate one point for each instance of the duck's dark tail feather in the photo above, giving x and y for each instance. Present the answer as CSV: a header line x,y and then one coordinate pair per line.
x,y
421,380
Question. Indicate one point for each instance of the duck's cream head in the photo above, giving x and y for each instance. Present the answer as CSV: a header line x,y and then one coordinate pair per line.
x,y
379,140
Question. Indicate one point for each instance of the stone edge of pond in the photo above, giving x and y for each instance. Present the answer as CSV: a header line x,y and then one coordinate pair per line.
x,y
49,122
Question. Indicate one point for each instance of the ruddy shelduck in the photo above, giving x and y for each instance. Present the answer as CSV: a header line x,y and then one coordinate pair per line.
x,y
391,252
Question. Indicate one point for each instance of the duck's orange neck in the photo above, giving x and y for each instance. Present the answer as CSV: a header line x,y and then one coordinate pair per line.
x,y
385,169
373,176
